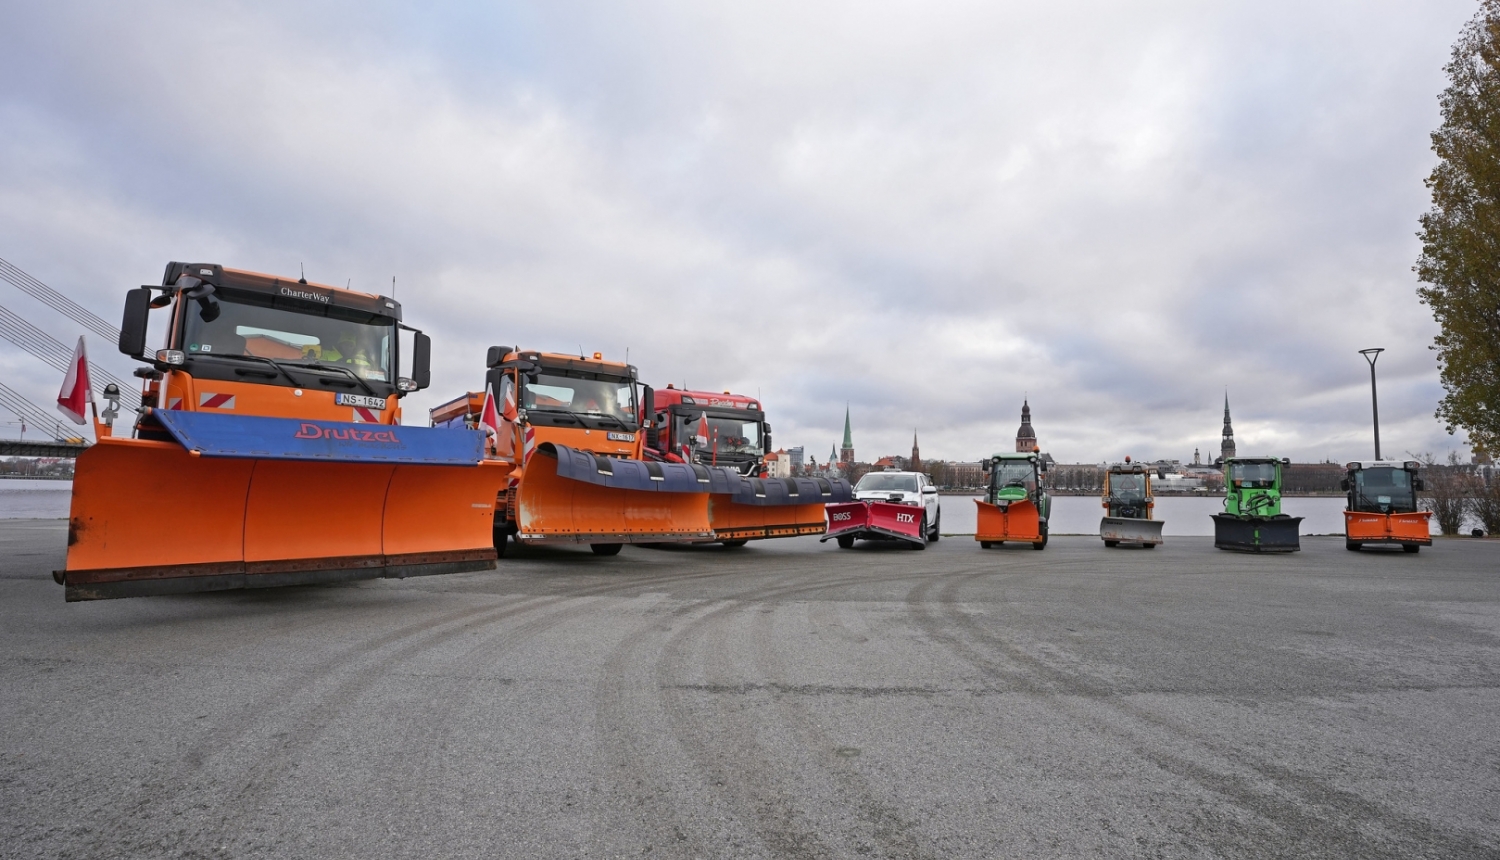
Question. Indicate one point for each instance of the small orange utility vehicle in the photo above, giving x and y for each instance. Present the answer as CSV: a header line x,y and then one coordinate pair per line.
x,y
1383,505
271,451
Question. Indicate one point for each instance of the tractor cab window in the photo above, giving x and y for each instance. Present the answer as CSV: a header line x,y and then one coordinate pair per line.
x,y
878,482
555,391
263,326
1013,473
1253,476
1384,488
1127,487
726,435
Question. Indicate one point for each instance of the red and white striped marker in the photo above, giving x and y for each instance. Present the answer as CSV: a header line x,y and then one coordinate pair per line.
x,y
363,415
216,401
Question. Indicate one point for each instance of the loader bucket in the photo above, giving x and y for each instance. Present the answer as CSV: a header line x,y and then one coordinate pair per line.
x,y
232,504
1408,529
774,507
1257,534
1118,530
1015,521
875,521
571,496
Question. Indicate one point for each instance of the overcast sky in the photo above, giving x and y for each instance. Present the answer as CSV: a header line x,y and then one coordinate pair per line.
x,y
928,210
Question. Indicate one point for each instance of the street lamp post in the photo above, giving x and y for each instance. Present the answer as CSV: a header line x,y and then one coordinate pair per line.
x,y
1371,355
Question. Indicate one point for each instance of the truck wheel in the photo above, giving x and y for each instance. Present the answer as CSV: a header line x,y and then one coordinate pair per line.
x,y
606,548
937,529
922,534
734,543
502,539
1041,544
1148,546
845,541
1412,547
1111,543
1352,546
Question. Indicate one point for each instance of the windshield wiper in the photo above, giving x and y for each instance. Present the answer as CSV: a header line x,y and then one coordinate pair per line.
x,y
336,368
623,425
271,361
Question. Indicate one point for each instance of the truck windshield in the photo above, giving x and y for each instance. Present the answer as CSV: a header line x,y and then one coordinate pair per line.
x,y
724,435
252,324
1253,476
881,483
1127,486
1384,488
1013,473
555,392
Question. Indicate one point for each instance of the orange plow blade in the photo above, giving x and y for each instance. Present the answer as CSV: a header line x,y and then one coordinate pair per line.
x,y
1370,527
1016,521
153,517
734,521
552,508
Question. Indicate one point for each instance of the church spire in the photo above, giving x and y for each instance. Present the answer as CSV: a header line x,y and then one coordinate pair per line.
x,y
846,453
1226,447
1025,437
916,453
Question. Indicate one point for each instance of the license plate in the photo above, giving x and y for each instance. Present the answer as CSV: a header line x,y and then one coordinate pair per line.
x,y
621,437
365,400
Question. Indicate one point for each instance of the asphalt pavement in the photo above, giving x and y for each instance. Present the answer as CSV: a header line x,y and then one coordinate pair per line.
x,y
785,699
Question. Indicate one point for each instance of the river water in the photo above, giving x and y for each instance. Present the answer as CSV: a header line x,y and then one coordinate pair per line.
x,y
29,499
1185,516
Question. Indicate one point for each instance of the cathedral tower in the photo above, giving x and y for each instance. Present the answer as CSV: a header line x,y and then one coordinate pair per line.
x,y
1226,447
916,454
846,453
1025,437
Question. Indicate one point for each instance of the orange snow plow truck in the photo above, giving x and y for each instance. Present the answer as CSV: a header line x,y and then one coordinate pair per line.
x,y
575,427
271,450
726,429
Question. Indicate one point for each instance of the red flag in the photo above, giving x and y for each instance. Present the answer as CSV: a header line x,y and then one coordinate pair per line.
x,y
509,409
702,438
76,392
489,418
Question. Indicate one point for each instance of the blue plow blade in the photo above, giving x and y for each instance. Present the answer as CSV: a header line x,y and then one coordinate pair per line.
x,y
260,438
652,476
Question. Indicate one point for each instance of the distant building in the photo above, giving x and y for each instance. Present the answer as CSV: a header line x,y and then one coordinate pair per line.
x,y
1226,447
795,458
778,465
1025,437
846,453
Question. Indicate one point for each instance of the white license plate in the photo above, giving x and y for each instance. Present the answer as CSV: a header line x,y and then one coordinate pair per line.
x,y
621,437
364,400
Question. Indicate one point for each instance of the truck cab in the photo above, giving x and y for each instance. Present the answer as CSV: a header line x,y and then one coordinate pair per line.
x,y
1252,486
1383,507
711,429
245,343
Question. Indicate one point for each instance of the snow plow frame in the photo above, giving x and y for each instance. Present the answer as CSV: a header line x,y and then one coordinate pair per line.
x,y
872,520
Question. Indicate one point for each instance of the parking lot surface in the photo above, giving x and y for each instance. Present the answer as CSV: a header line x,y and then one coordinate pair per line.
x,y
786,699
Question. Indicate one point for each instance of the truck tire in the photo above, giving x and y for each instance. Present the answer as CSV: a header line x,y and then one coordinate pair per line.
x,y
1112,543
1352,546
921,533
937,529
984,544
1412,547
606,548
1148,546
845,541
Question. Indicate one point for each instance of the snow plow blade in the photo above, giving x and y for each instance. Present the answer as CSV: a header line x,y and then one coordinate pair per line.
x,y
875,521
1257,534
1409,529
1017,521
1130,530
572,496
775,507
253,502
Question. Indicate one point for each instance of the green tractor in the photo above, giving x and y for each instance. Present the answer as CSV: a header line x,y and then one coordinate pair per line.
x,y
1252,520
1016,506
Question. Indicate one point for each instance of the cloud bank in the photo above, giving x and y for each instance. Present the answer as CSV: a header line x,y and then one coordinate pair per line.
x,y
928,211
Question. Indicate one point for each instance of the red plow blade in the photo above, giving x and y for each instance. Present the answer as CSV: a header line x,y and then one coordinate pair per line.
x,y
875,521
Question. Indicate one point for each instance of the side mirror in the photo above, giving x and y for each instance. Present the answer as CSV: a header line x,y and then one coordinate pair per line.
x,y
495,355
1286,461
421,360
766,439
648,402
929,489
133,325
1344,485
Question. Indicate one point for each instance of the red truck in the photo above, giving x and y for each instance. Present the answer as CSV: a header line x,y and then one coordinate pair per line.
x,y
712,429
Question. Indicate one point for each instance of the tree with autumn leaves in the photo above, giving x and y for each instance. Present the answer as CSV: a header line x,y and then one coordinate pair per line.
x,y
1460,262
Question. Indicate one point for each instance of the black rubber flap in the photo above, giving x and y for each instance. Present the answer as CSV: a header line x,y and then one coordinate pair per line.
x,y
792,491
625,474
